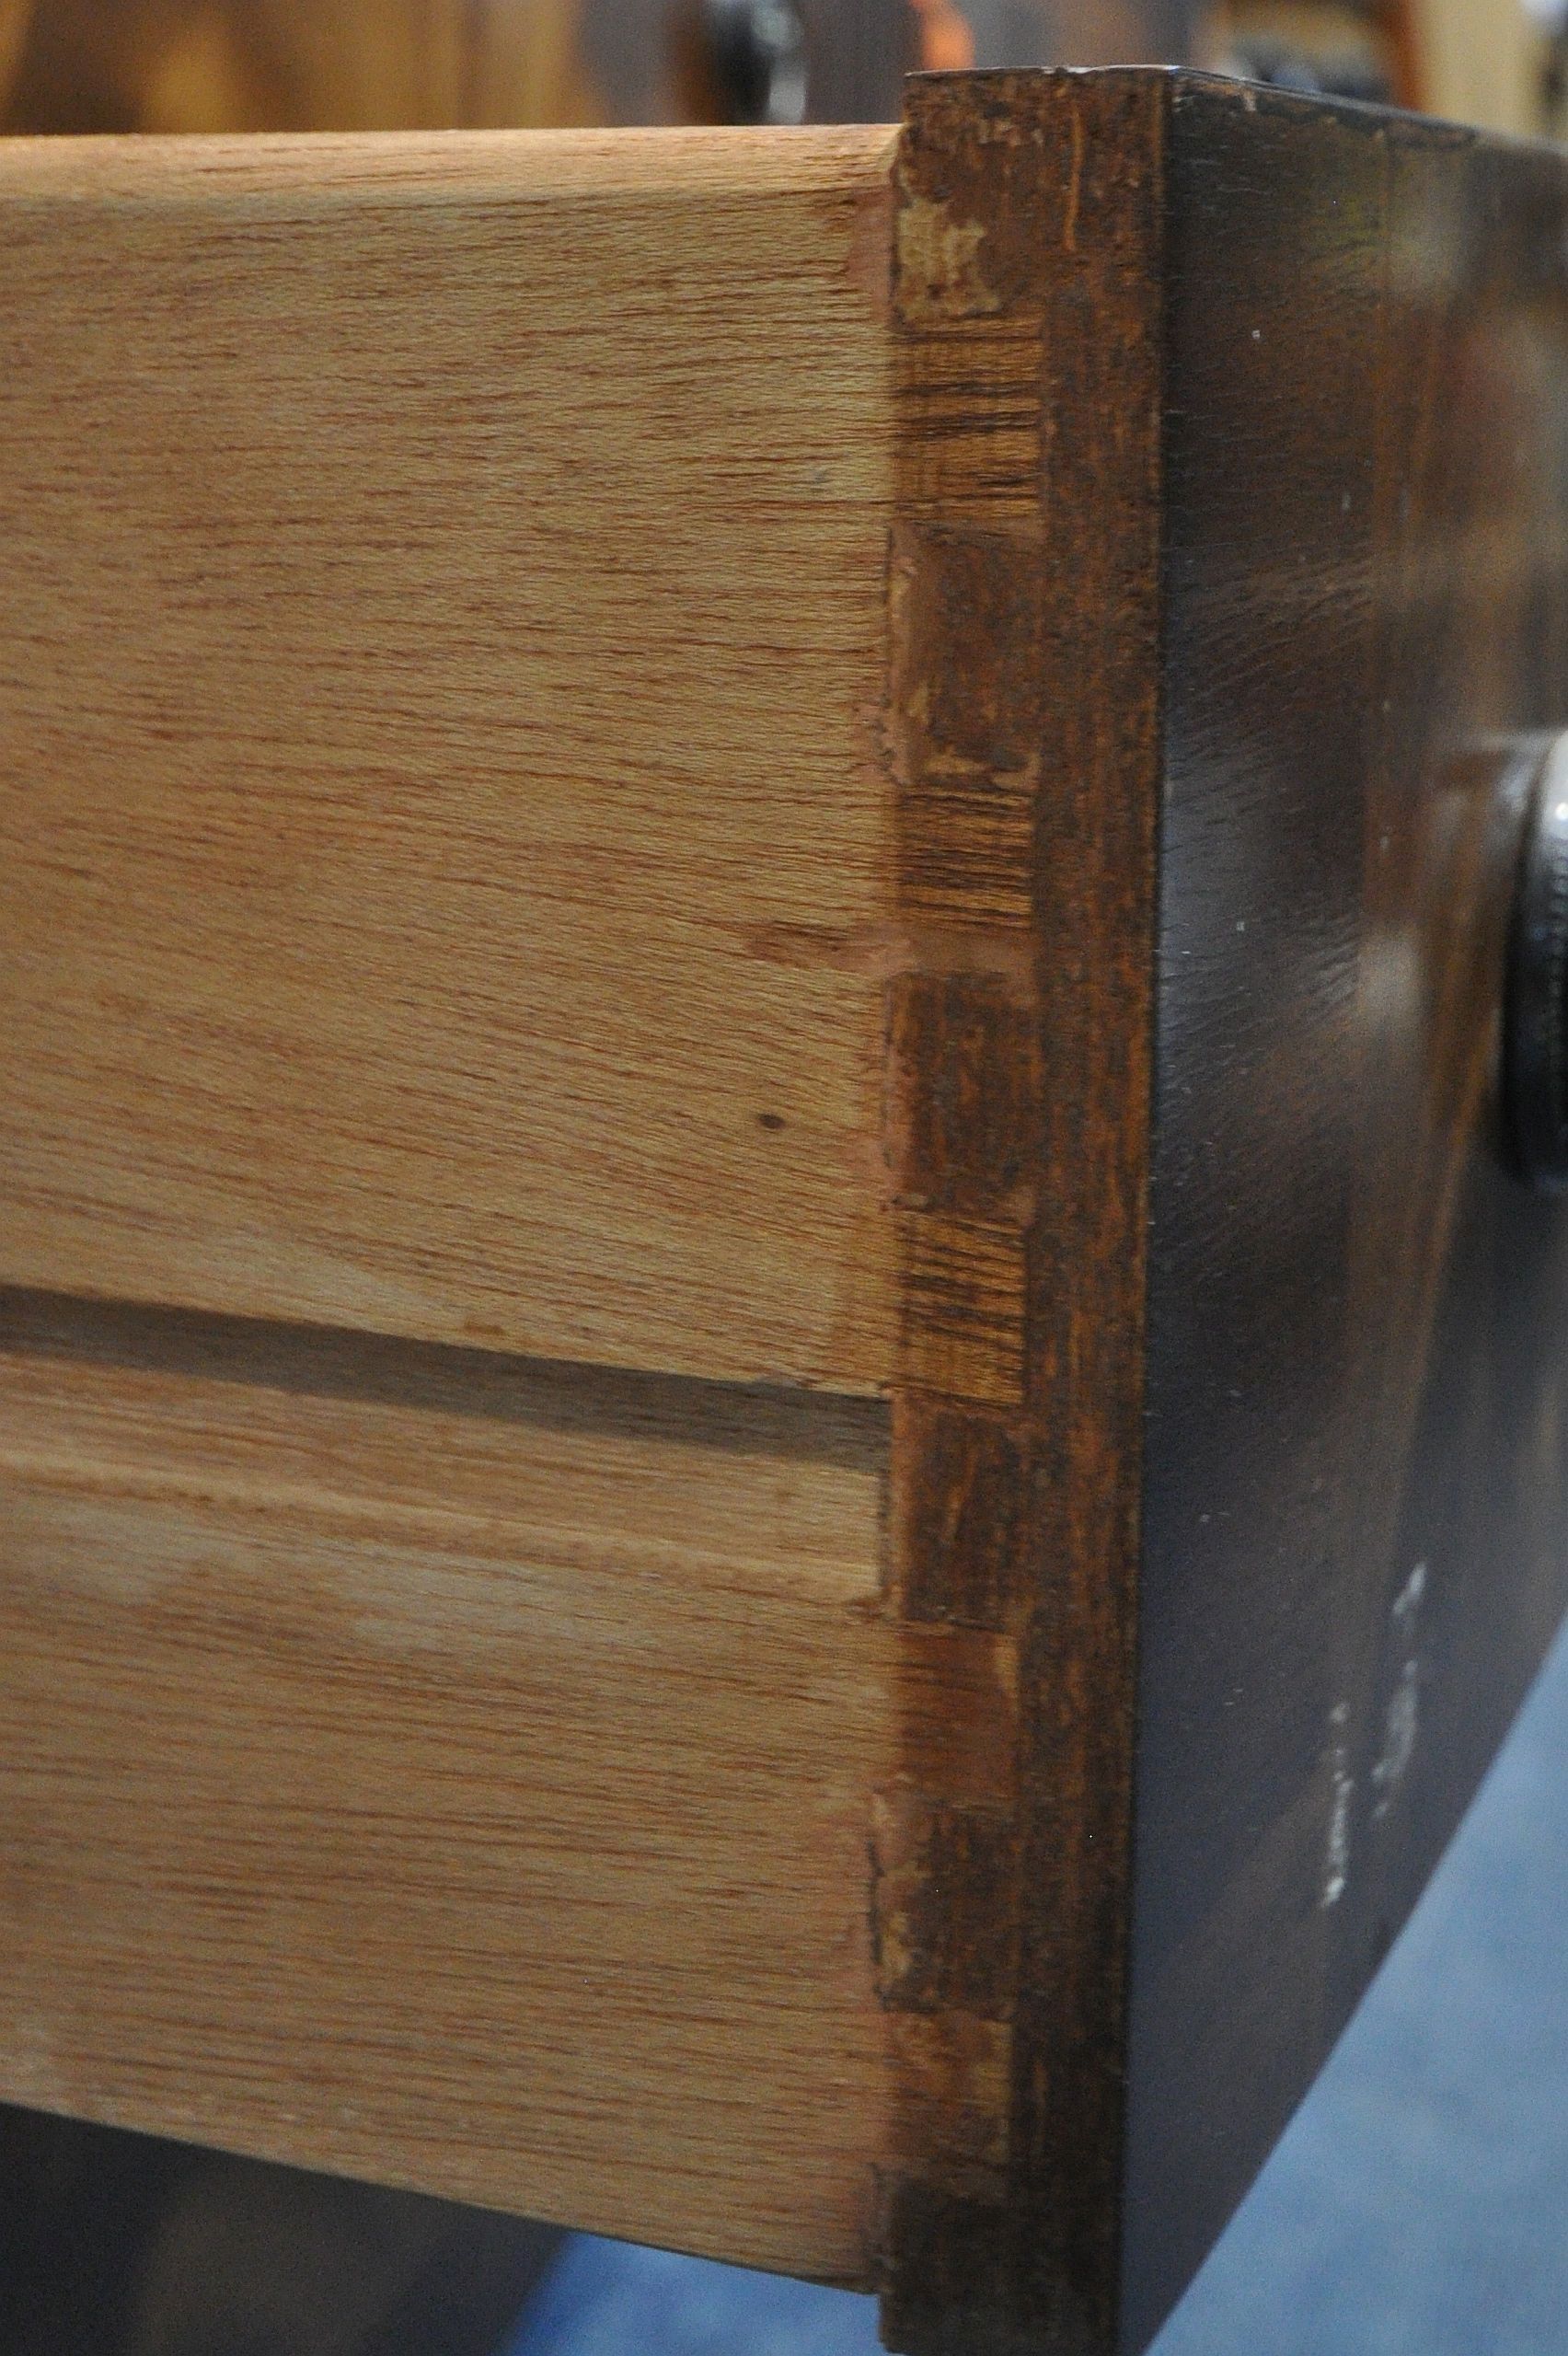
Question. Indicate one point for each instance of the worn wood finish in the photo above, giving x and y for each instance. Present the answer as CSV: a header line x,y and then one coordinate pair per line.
x,y
443,851
453,1774
1344,1370
1356,1480
912,865
1026,744
1348,1405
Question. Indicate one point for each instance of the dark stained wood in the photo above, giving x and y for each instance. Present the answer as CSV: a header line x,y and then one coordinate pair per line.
x,y
1233,517
1024,723
1357,1455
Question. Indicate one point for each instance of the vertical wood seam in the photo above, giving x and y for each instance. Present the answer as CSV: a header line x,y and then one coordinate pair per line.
x,y
1023,741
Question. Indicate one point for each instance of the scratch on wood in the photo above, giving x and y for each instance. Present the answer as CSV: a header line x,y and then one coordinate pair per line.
x,y
1075,189
938,264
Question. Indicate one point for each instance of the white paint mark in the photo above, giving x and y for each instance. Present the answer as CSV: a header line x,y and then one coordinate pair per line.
x,y
1407,1603
1399,1736
1342,1788
1402,1720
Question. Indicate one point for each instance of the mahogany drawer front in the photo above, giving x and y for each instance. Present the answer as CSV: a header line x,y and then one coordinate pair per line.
x,y
778,1427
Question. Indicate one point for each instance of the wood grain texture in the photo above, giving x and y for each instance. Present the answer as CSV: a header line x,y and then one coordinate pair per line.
x,y
1024,721
1233,522
450,1774
894,778
443,844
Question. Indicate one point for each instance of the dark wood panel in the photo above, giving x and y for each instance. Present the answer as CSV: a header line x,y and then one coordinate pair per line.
x,y
1025,730
1356,1486
1235,523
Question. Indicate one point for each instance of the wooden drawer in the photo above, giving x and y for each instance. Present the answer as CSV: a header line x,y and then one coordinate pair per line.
x,y
779,1429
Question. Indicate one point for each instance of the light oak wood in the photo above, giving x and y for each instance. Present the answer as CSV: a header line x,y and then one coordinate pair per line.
x,y
444,835
458,885
452,1774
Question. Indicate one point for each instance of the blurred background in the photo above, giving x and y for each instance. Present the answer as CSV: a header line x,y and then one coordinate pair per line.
x,y
1419,2206
379,65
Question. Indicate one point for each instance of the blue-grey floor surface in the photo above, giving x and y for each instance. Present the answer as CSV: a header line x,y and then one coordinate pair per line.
x,y
1417,2207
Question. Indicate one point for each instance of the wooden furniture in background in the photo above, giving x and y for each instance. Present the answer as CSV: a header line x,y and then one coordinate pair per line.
x,y
255,66
209,65
777,1437
96,65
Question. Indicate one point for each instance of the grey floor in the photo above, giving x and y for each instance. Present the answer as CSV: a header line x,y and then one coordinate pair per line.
x,y
1418,2206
